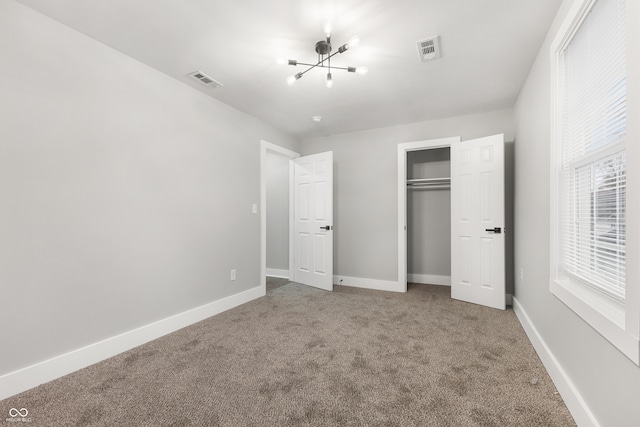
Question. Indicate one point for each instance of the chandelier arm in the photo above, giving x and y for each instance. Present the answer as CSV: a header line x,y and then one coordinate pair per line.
x,y
320,62
328,58
308,69
324,66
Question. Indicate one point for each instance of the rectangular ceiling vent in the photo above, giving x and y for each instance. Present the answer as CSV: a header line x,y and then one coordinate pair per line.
x,y
206,80
429,49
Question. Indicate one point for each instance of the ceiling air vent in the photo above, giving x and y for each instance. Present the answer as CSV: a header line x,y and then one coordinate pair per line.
x,y
429,49
206,80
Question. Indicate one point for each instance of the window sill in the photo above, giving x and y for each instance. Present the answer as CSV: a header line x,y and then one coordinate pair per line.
x,y
606,316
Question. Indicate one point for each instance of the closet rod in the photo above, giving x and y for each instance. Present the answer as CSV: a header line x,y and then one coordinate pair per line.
x,y
425,180
426,184
428,187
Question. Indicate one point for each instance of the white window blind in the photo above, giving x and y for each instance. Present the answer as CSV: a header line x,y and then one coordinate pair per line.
x,y
592,185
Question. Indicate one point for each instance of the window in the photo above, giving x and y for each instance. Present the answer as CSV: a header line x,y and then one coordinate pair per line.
x,y
592,98
589,168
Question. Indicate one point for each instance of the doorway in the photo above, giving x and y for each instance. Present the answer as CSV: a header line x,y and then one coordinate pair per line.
x,y
403,151
281,218
477,216
310,217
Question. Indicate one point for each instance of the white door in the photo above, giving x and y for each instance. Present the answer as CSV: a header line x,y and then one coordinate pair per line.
x,y
313,216
477,221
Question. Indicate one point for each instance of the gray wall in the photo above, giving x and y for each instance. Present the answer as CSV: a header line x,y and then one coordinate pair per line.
x,y
277,177
365,187
126,195
607,380
429,215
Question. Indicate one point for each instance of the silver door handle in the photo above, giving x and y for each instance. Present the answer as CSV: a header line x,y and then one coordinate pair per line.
x,y
326,228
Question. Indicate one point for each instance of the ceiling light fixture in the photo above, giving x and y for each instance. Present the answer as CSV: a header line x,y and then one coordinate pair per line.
x,y
323,49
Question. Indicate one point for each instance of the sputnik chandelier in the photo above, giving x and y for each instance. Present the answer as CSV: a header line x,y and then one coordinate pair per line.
x,y
323,49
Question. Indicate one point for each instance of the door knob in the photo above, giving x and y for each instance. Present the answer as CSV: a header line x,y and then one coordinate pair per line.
x,y
496,230
326,227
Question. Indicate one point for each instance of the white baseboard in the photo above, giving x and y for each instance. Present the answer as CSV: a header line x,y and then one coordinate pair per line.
x,y
359,282
570,394
429,279
276,272
56,367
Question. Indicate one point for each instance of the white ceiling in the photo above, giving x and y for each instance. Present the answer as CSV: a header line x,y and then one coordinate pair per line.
x,y
488,47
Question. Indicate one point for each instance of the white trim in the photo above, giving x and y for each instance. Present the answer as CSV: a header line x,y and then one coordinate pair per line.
x,y
279,273
570,394
264,146
600,313
375,284
292,224
403,149
56,367
632,307
429,279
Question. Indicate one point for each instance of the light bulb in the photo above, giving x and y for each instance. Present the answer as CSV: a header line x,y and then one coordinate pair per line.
x,y
353,41
362,70
291,80
327,28
329,80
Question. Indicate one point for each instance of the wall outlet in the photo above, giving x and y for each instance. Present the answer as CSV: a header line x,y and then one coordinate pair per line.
x,y
521,274
254,208
233,275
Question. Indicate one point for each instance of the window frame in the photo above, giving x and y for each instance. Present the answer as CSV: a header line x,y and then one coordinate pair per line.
x,y
618,322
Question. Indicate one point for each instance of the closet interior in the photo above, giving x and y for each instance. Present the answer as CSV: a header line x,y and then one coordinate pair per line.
x,y
429,216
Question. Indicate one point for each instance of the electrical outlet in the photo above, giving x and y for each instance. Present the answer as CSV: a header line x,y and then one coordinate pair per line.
x,y
254,208
522,274
233,275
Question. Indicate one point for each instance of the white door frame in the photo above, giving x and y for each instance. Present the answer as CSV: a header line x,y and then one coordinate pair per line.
x,y
403,149
264,147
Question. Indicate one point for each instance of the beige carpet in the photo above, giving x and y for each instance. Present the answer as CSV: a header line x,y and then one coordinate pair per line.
x,y
306,357
275,283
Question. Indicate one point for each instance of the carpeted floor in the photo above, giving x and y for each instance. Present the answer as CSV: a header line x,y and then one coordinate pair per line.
x,y
275,283
303,356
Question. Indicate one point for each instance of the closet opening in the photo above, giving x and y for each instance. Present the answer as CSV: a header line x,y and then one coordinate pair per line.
x,y
416,178
428,207
451,217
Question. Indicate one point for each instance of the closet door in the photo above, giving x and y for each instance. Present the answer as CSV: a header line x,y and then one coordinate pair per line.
x,y
313,220
477,221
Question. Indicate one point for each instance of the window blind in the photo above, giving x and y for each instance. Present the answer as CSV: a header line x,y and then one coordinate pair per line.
x,y
593,168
